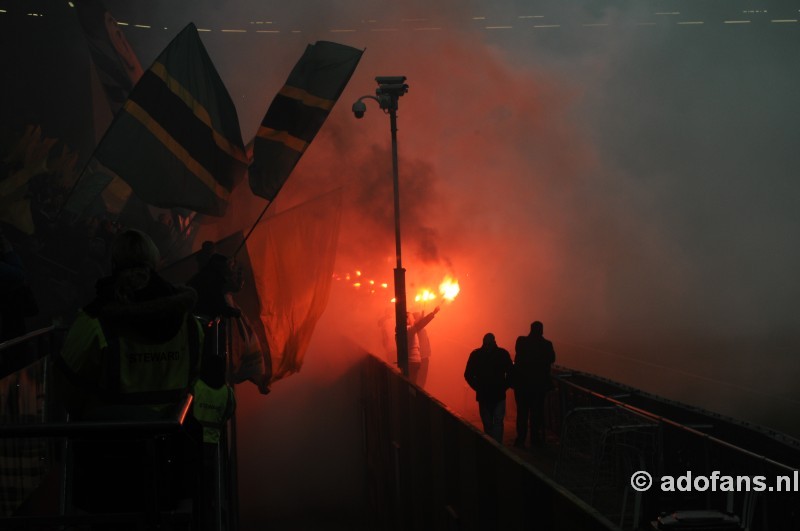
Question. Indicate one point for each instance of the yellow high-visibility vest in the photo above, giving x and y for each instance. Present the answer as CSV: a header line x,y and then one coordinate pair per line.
x,y
212,408
119,370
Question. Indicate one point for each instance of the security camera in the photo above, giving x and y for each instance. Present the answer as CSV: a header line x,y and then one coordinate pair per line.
x,y
359,108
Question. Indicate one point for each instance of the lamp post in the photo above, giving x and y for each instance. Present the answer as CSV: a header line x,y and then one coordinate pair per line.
x,y
389,90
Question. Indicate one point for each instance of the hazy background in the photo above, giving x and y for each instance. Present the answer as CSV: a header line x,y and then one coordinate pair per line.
x,y
625,172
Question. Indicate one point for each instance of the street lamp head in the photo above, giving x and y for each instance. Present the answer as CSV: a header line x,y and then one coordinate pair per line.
x,y
390,80
389,90
359,108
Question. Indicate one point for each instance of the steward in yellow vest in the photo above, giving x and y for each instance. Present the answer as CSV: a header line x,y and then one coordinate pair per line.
x,y
143,352
212,407
133,353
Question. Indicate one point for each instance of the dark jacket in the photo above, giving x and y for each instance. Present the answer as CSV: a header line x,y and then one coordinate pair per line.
x,y
488,372
154,315
144,350
532,360
213,283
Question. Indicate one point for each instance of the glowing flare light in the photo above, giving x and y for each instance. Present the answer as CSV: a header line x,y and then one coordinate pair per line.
x,y
425,296
449,289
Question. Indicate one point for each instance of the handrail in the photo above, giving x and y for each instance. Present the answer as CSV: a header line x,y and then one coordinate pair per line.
x,y
46,343
38,521
658,418
98,429
23,338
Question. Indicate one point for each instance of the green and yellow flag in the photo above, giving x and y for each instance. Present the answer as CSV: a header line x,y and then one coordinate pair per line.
x,y
297,113
177,141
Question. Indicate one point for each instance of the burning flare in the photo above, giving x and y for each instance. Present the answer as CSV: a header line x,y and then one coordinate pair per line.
x,y
425,296
449,289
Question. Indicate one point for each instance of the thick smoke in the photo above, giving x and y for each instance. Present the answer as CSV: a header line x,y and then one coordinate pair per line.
x,y
628,179
624,177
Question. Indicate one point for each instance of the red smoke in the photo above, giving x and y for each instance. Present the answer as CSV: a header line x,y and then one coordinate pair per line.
x,y
488,153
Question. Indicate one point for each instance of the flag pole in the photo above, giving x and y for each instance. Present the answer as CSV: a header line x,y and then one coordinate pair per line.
x,y
249,152
244,241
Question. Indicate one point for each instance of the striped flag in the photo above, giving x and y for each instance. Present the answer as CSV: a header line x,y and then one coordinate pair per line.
x,y
118,67
177,141
297,113
114,71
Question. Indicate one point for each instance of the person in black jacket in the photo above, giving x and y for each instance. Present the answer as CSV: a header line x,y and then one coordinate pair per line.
x,y
488,372
532,360
216,280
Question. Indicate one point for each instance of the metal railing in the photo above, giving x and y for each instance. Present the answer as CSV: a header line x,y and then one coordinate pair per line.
x,y
429,469
34,429
602,437
60,438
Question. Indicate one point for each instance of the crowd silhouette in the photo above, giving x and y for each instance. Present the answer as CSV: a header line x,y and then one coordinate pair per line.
x,y
490,372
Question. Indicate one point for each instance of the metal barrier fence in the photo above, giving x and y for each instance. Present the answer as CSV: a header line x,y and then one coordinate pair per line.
x,y
428,469
603,441
49,502
36,457
24,462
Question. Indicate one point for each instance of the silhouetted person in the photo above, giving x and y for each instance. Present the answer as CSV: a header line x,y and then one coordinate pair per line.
x,y
132,354
214,403
214,284
415,359
207,249
488,372
216,280
424,352
532,360
16,303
